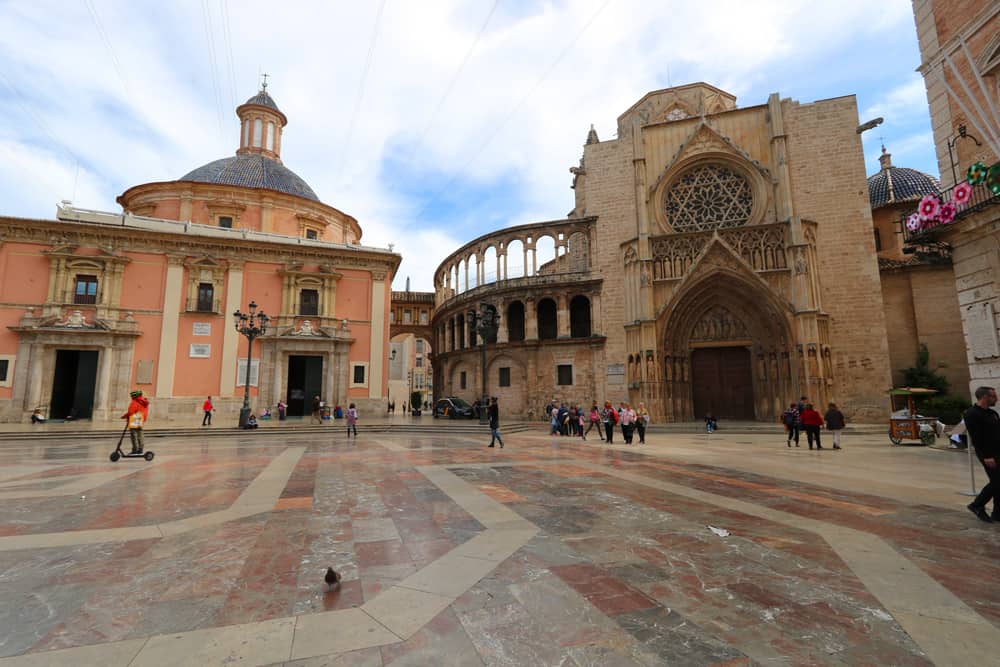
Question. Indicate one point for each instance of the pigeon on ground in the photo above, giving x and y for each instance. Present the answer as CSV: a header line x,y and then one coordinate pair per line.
x,y
332,578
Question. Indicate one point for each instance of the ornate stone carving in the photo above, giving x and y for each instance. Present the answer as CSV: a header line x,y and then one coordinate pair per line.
x,y
306,329
718,324
74,320
761,246
708,197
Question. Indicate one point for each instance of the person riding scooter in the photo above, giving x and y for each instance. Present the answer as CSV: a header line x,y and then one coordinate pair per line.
x,y
137,413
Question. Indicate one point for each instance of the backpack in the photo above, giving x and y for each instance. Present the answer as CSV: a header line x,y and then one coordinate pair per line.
x,y
788,418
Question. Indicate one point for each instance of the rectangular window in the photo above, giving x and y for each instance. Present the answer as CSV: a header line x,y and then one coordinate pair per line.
x,y
392,317
420,346
420,362
423,317
312,234
6,370
565,373
309,302
4,365
206,298
461,381
86,290
241,372
407,317
878,241
226,221
505,377
359,375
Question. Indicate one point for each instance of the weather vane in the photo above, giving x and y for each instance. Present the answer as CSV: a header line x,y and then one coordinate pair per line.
x,y
264,76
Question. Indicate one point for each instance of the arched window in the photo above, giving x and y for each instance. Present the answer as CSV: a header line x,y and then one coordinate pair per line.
x,y
256,132
579,317
708,197
246,132
547,326
270,136
515,322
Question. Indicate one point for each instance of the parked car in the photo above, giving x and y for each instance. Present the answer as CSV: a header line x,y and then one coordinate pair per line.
x,y
453,407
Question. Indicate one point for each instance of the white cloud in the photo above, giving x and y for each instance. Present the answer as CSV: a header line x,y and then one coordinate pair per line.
x,y
487,132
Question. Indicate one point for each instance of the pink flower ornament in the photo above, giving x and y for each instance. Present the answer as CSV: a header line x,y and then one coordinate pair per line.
x,y
929,207
914,223
946,213
961,194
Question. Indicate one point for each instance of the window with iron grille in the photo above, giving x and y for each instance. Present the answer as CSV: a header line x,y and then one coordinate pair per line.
x,y
226,221
86,290
312,234
309,302
505,377
565,372
206,297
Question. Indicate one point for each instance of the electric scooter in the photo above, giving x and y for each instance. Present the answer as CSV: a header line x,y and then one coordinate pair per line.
x,y
119,454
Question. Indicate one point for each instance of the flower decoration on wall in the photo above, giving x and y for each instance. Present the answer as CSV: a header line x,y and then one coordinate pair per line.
x,y
946,213
962,193
976,174
914,223
993,179
929,207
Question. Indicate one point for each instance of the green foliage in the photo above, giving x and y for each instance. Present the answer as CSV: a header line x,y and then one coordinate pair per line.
x,y
948,409
922,375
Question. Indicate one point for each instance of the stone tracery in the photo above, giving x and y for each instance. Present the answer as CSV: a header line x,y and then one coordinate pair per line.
x,y
708,197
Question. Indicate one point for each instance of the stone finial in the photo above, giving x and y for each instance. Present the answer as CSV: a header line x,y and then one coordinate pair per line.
x,y
885,159
592,136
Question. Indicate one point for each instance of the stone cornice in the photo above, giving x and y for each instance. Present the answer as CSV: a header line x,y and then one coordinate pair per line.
x,y
233,248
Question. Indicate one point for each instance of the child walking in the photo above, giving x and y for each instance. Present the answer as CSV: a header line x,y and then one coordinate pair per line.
x,y
352,420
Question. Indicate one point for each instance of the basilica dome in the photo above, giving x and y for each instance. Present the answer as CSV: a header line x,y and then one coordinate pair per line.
x,y
252,171
895,185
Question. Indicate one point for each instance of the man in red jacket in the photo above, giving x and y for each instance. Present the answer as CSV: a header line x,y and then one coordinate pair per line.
x,y
812,421
207,407
137,413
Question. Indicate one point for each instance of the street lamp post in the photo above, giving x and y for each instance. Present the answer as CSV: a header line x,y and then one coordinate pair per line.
x,y
252,325
963,133
485,322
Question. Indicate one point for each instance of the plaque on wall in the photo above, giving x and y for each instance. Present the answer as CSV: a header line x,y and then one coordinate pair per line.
x,y
980,322
241,372
200,351
144,372
616,373
202,329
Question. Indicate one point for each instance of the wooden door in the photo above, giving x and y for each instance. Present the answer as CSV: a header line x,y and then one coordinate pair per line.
x,y
722,382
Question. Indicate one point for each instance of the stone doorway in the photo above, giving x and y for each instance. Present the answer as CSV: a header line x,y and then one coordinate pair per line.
x,y
305,380
74,384
722,382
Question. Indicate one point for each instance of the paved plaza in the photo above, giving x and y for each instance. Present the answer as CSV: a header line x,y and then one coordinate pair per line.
x,y
550,551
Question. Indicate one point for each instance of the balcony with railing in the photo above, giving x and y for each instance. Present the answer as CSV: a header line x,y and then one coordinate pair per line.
x,y
982,197
202,305
81,298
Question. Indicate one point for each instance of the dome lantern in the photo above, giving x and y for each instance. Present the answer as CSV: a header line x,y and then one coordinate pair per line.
x,y
261,124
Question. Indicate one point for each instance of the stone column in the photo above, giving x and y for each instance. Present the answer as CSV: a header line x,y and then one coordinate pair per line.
x,y
376,355
530,320
502,336
172,294
562,316
231,337
101,400
343,369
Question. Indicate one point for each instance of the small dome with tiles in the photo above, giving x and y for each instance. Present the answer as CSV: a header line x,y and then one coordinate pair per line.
x,y
895,185
263,99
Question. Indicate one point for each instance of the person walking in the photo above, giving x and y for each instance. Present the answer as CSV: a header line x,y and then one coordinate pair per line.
x,y
595,420
352,421
137,413
790,418
982,425
812,421
282,410
494,413
563,414
316,405
628,423
641,421
609,418
208,408
834,423
554,421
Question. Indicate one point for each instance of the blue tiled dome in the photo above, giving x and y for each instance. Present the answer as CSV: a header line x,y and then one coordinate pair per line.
x,y
893,185
252,171
263,99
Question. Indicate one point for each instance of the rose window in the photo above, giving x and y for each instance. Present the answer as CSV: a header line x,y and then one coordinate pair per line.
x,y
707,198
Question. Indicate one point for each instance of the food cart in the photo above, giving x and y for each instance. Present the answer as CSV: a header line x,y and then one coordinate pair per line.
x,y
904,422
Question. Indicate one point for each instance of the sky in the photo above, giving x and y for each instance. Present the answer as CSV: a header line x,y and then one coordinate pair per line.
x,y
431,122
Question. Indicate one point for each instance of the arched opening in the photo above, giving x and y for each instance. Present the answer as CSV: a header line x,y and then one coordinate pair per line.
x,y
548,328
490,274
515,260
515,322
463,276
579,317
545,255
473,266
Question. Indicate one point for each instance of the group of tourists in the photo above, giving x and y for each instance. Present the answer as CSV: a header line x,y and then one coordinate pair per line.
x,y
574,421
801,416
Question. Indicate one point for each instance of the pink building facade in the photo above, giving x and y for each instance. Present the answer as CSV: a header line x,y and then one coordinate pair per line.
x,y
95,304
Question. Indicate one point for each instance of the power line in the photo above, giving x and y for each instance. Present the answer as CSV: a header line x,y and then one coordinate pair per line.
x,y
361,89
107,44
227,37
517,107
454,79
213,62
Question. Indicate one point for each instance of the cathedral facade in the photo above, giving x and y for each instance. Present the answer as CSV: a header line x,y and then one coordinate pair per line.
x,y
718,259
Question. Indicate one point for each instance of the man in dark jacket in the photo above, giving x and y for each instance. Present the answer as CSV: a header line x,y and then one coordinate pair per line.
x,y
494,413
983,426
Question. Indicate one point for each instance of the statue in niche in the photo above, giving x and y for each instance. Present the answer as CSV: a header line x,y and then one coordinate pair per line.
x,y
650,368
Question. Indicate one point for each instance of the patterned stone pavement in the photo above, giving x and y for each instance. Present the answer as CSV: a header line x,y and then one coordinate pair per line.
x,y
550,551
